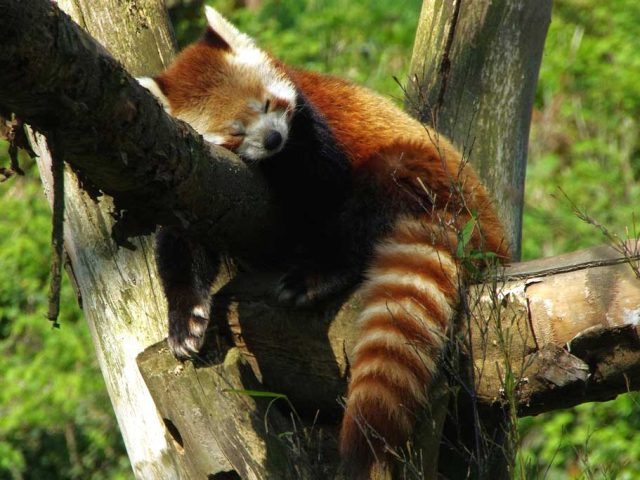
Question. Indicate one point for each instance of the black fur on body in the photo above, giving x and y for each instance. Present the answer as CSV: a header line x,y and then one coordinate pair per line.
x,y
332,221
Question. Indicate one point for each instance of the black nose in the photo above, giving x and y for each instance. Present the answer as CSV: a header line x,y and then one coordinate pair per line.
x,y
273,140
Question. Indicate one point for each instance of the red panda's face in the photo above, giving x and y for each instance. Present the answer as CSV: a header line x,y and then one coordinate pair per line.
x,y
229,91
259,129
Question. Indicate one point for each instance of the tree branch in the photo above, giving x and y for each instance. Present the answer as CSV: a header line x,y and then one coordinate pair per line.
x,y
159,171
540,339
118,139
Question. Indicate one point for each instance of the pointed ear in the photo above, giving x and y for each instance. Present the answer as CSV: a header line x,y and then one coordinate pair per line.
x,y
221,33
155,87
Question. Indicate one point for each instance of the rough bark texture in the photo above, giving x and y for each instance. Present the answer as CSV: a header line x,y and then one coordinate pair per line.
x,y
119,291
196,403
543,330
64,83
594,354
473,75
136,32
116,135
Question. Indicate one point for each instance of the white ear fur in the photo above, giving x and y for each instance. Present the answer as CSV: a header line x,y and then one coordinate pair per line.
x,y
229,33
151,85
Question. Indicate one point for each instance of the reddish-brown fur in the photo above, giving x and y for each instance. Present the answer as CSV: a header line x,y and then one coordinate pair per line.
x,y
411,290
203,86
407,157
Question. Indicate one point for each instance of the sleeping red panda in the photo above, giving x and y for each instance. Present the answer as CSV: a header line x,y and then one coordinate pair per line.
x,y
373,198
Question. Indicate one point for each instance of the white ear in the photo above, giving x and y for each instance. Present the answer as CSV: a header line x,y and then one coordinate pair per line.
x,y
227,31
151,85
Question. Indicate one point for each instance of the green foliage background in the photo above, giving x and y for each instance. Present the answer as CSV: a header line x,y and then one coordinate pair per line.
x,y
55,416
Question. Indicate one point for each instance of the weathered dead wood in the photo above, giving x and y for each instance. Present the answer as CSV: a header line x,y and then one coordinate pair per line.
x,y
116,287
197,410
557,339
112,167
589,294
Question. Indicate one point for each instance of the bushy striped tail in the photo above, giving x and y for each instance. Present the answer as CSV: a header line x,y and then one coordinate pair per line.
x,y
409,301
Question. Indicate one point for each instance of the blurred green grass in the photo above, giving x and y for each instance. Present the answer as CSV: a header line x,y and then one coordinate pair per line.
x,y
55,417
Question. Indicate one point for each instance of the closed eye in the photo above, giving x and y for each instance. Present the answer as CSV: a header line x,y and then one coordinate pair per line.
x,y
266,106
237,129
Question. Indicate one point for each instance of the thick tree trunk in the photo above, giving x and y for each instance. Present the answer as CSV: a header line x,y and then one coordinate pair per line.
x,y
121,298
212,418
474,72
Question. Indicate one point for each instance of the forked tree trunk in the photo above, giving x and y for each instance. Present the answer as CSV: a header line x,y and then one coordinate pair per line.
x,y
214,421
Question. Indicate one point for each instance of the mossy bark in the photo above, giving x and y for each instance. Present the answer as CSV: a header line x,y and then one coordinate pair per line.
x,y
119,291
301,353
473,75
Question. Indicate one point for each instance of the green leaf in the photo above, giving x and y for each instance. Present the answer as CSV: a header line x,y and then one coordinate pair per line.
x,y
465,237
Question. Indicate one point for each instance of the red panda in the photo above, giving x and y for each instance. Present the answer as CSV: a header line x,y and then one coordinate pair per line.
x,y
373,198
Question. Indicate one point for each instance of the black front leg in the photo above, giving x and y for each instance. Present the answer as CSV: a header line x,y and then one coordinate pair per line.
x,y
187,270
336,254
307,284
